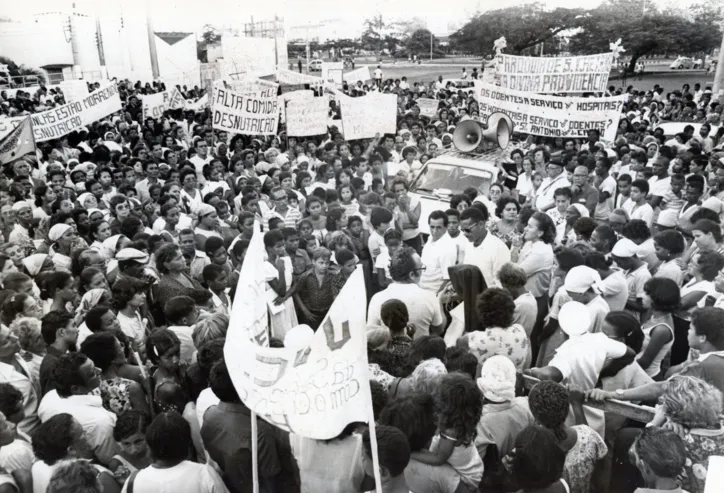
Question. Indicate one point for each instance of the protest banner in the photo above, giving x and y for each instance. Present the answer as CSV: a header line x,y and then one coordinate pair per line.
x,y
428,107
307,117
332,72
361,74
16,139
56,122
288,77
299,94
73,90
245,114
554,75
366,116
314,389
252,86
551,116
154,105
198,105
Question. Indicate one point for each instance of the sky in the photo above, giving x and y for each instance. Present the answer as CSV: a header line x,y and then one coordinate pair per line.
x,y
185,15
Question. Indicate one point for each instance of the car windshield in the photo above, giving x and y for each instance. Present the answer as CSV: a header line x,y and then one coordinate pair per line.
x,y
447,179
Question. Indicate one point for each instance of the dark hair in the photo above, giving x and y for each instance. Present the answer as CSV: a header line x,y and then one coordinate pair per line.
x,y
66,373
221,384
14,280
435,215
56,280
584,227
53,438
475,214
495,308
546,225
179,307
563,192
642,185
707,322
11,399
456,199
165,253
402,264
707,226
379,215
52,322
539,460
101,348
124,289
671,240
549,404
710,264
423,348
413,415
636,229
379,398
461,361
663,451
393,450
273,237
169,437
628,328
459,405
664,293
129,423
208,354
159,343
503,202
93,317
394,315
13,306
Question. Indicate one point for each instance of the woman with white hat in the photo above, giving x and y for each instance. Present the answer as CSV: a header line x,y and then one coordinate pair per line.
x,y
61,237
583,285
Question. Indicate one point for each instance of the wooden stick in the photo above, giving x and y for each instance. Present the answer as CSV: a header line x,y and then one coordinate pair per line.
x,y
644,414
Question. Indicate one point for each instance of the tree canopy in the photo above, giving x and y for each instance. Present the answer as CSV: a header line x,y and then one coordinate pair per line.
x,y
523,26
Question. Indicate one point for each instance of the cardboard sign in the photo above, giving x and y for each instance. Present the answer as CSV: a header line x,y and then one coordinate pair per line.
x,y
253,86
307,116
155,105
243,113
555,75
16,139
551,116
73,90
56,122
198,105
361,74
428,107
332,72
314,390
364,117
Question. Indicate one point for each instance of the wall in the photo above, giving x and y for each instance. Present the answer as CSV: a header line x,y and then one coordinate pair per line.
x,y
252,55
37,43
177,63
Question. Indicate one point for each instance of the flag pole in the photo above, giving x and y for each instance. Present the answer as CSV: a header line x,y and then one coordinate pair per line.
x,y
255,454
375,454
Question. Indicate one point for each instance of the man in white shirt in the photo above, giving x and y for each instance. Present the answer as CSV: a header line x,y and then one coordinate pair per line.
x,y
15,371
422,305
378,76
660,183
438,254
76,377
200,159
636,206
486,251
556,179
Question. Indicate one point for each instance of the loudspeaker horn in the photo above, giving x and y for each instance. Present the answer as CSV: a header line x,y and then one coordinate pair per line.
x,y
467,136
500,128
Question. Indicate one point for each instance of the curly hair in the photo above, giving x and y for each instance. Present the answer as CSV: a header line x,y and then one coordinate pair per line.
x,y
402,264
636,229
584,227
496,308
710,264
210,328
504,201
165,254
423,348
539,460
691,402
124,290
101,348
546,226
11,400
458,406
512,276
413,415
129,423
52,439
549,405
26,329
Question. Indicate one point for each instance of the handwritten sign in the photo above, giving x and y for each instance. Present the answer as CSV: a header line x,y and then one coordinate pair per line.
x,y
253,87
551,116
332,72
245,114
361,74
56,122
289,77
428,107
366,116
555,75
155,105
313,391
307,116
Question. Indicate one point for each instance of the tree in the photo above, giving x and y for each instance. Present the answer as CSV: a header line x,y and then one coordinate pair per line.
x,y
20,75
644,32
210,34
372,36
523,26
419,42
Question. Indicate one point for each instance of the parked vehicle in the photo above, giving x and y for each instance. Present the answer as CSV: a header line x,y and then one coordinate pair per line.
x,y
685,62
315,66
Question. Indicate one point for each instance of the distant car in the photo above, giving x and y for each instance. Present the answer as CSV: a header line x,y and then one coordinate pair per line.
x,y
315,66
686,62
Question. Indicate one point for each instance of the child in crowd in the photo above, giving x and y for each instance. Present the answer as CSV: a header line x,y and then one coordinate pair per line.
x,y
130,433
181,314
393,242
217,280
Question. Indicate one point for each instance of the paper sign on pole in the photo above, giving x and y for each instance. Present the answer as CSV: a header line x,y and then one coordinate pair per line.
x,y
428,107
307,117
551,116
56,122
554,75
244,114
16,139
314,390
332,71
368,115
154,105
73,90
361,74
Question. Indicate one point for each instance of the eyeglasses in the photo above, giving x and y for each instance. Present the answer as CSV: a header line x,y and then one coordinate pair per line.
x,y
421,269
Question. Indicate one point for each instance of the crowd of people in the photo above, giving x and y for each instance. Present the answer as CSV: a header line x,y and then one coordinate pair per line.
x,y
586,271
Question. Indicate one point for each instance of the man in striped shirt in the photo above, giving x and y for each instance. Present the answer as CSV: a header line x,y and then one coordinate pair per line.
x,y
290,215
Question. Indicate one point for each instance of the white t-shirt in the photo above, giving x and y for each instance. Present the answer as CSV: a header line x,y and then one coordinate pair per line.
x,y
378,73
659,187
199,163
437,256
605,208
643,212
186,477
489,257
422,305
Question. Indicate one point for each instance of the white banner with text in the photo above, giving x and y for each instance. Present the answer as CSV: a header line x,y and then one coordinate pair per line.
x,y
368,115
307,116
555,74
243,113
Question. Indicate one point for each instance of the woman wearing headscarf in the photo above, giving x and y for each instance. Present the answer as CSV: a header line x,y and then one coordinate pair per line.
x,y
468,282
61,237
111,247
91,298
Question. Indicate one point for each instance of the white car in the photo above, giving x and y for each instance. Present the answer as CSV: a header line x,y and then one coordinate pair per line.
x,y
315,66
449,174
683,62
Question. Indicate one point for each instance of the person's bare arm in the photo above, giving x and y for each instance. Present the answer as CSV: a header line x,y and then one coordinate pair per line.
x,y
660,336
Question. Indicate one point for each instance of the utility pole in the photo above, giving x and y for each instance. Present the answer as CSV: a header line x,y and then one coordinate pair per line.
x,y
718,88
276,43
430,45
101,54
152,43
